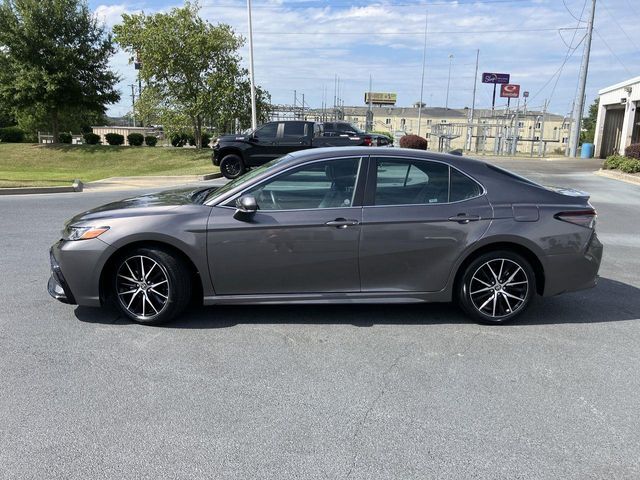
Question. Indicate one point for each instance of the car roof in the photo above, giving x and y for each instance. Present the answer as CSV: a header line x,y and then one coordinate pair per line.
x,y
302,156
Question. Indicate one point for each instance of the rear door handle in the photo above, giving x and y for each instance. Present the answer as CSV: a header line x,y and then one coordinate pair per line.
x,y
342,223
464,218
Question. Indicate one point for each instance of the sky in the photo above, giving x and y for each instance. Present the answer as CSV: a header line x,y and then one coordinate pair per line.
x,y
302,45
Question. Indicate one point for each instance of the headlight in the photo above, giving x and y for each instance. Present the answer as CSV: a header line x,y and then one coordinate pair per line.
x,y
73,232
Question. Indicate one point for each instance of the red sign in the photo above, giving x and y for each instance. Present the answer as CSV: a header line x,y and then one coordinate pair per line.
x,y
510,90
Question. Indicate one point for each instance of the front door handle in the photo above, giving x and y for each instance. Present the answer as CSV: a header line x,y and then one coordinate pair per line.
x,y
342,223
464,218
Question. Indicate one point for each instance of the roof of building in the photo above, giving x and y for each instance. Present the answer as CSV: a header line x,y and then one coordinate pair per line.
x,y
626,83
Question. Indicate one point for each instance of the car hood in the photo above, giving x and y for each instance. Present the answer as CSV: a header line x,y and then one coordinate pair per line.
x,y
233,138
149,204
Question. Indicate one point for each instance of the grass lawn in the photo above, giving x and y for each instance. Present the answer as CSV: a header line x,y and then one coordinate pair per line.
x,y
27,164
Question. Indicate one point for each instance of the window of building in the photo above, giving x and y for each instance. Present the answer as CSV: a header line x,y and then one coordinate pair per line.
x,y
520,124
388,121
429,122
564,139
538,125
403,122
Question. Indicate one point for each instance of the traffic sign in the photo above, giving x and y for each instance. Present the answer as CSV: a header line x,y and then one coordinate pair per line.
x,y
510,90
495,77
525,94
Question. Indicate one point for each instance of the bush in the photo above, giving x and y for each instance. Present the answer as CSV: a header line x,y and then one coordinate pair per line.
x,y
151,140
206,140
91,138
11,135
114,139
613,162
413,141
630,165
135,139
179,139
64,137
633,151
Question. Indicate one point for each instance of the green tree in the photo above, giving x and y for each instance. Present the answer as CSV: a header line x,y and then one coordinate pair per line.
x,y
191,68
55,59
588,131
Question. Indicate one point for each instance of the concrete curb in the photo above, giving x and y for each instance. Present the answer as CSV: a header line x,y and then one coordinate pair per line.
x,y
621,176
76,187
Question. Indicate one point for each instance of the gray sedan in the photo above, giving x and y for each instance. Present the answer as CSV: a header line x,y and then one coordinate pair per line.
x,y
349,225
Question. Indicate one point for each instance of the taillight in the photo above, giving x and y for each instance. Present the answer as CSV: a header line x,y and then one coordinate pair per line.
x,y
367,141
584,218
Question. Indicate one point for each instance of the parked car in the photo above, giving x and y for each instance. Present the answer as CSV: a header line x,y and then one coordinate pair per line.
x,y
346,129
352,225
235,154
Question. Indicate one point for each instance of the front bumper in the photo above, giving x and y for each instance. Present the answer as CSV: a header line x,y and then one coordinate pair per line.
x,y
76,269
215,157
57,286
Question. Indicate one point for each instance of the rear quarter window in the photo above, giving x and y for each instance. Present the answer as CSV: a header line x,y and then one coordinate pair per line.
x,y
463,187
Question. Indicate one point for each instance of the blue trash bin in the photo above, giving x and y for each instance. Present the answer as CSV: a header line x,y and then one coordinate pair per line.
x,y
587,150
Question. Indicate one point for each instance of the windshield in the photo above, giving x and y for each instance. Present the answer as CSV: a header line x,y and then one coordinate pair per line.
x,y
240,180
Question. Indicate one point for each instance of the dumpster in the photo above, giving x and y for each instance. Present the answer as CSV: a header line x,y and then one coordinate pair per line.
x,y
587,150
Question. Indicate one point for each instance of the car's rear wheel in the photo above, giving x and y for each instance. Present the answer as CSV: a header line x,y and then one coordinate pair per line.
x,y
151,285
497,287
232,166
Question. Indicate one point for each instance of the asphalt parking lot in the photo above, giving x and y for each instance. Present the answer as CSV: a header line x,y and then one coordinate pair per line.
x,y
360,392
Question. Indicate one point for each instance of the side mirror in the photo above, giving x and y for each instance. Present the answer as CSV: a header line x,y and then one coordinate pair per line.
x,y
253,139
245,207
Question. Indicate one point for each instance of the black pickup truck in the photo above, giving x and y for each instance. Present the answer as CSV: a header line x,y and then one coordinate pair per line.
x,y
237,153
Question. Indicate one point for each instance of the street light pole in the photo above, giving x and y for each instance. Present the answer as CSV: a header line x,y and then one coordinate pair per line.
x,y
424,60
446,103
578,106
254,115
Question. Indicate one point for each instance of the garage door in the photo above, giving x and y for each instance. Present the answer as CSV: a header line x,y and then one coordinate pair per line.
x,y
612,132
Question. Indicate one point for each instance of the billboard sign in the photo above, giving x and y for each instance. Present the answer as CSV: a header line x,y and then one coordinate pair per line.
x,y
509,90
495,77
380,98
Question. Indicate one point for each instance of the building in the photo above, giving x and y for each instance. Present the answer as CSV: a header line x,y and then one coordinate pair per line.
x,y
124,131
537,133
618,123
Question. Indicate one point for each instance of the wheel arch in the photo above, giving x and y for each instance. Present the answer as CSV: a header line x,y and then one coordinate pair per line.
x,y
110,265
508,245
231,150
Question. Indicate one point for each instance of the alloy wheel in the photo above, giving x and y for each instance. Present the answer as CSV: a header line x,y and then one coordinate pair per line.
x,y
142,285
499,288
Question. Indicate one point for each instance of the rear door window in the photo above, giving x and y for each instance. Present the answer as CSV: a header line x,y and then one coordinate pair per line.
x,y
411,182
294,129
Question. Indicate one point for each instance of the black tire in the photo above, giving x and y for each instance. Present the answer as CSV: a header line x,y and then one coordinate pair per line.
x,y
159,296
489,301
232,166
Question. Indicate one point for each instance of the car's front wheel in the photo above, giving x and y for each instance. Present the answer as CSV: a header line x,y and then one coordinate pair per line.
x,y
232,166
151,286
496,287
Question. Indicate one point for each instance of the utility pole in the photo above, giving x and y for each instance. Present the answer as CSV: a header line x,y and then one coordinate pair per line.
x,y
446,103
514,131
369,123
473,104
424,61
578,107
254,115
133,103
541,144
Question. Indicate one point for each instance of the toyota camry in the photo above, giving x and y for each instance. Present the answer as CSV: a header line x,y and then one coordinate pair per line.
x,y
345,225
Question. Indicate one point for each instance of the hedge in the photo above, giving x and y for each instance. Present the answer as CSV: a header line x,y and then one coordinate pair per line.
x,y
633,151
64,137
413,141
151,140
624,164
91,138
114,139
135,139
11,135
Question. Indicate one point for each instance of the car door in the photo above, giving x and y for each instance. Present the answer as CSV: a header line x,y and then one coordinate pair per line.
x,y
263,146
295,136
418,217
303,238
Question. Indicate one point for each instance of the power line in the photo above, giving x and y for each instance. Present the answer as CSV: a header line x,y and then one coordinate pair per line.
x,y
612,52
311,5
441,32
618,24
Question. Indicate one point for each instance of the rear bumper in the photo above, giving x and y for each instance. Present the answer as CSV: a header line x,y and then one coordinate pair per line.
x,y
572,272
